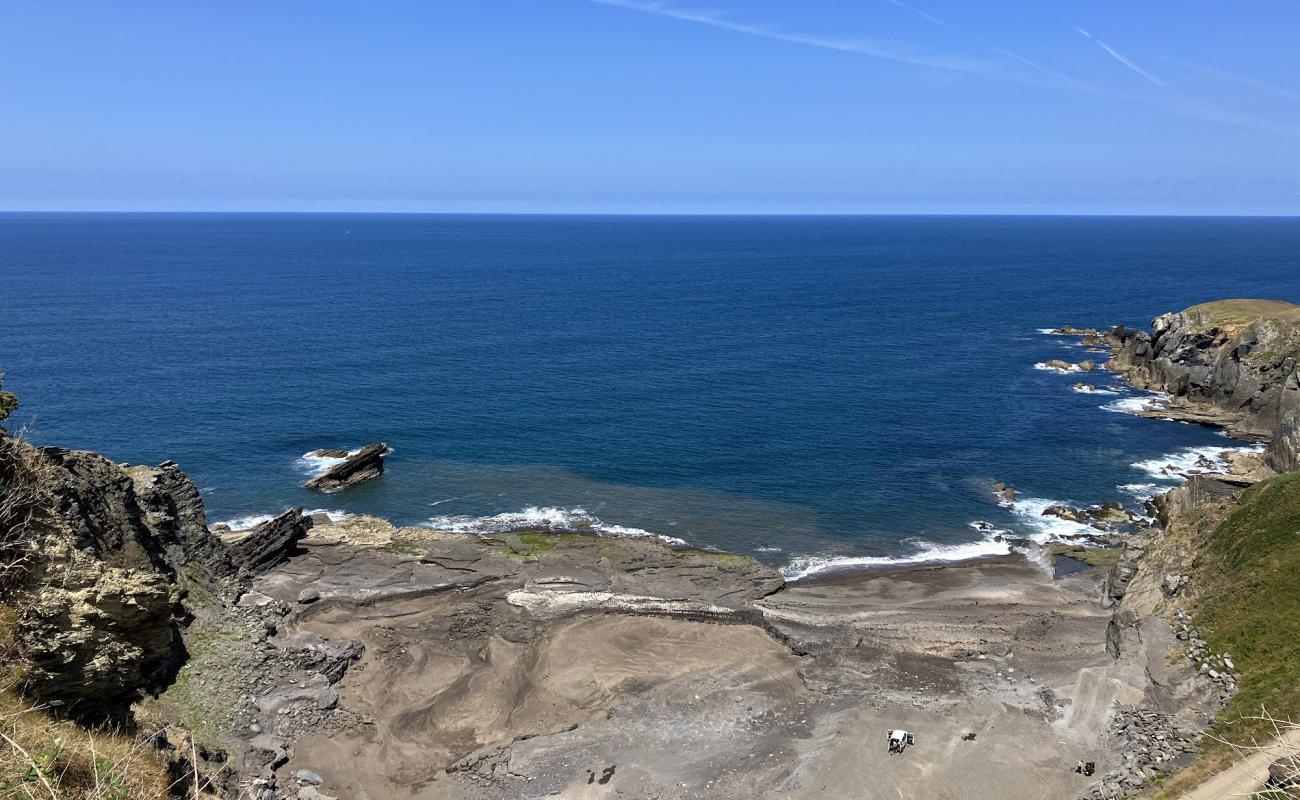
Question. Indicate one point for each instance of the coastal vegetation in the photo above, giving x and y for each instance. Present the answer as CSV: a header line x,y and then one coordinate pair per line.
x,y
8,400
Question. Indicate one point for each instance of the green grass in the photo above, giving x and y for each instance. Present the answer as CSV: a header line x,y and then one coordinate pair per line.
x,y
1252,607
538,542
1225,312
403,547
1248,585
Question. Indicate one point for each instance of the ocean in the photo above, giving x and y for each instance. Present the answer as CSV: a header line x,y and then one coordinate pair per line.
x,y
814,391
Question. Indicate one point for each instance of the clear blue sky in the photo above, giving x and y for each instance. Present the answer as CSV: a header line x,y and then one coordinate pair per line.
x,y
1039,106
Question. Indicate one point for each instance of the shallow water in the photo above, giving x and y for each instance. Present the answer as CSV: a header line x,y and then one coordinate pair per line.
x,y
793,387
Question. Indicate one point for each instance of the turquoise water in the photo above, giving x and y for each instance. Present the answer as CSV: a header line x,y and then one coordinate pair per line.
x,y
783,386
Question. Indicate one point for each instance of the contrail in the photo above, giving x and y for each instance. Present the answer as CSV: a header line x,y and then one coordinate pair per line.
x,y
887,51
1123,59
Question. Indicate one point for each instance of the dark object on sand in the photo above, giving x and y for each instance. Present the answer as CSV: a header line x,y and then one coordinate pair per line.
x,y
968,737
364,464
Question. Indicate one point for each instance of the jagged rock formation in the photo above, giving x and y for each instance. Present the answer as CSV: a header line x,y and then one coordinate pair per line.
x,y
113,551
270,542
1230,363
358,467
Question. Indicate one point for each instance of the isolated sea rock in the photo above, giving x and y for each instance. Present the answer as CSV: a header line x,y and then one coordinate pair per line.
x,y
270,542
1070,330
358,467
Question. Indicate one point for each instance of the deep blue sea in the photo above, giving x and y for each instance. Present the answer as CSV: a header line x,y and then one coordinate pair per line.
x,y
791,387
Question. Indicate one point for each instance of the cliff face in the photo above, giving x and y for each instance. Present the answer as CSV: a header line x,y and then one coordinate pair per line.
x,y
113,554
1230,363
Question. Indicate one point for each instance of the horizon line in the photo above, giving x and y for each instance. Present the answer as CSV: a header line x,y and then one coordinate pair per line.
x,y
318,212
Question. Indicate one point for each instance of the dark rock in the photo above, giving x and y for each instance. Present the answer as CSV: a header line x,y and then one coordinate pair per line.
x,y
112,561
365,464
1284,773
1230,363
271,542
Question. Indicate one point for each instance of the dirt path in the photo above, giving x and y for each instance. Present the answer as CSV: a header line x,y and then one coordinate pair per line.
x,y
1245,776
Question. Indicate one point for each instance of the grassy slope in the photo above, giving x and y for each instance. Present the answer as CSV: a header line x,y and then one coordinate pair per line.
x,y
1249,607
1252,607
42,757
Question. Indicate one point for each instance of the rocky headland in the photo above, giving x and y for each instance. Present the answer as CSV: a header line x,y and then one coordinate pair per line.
x,y
309,658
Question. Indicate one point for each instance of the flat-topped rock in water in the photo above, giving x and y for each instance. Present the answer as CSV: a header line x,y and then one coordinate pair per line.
x,y
356,467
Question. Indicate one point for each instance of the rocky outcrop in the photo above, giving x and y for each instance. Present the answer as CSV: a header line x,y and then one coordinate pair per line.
x,y
114,553
270,542
357,467
1230,363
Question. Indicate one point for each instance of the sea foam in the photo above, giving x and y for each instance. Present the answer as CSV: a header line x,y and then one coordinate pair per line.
x,y
568,520
1178,466
1150,401
926,553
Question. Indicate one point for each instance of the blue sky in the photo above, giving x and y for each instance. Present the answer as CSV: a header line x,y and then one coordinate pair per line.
x,y
687,106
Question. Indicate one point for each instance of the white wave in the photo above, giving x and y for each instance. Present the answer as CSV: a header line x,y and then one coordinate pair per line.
x,y
927,553
1191,461
1142,491
570,520
336,515
250,521
1043,365
1029,511
763,548
246,522
1048,331
1150,401
1086,389
314,465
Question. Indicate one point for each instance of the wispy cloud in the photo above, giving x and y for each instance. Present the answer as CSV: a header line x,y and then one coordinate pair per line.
x,y
1228,76
1123,59
873,48
928,17
1002,51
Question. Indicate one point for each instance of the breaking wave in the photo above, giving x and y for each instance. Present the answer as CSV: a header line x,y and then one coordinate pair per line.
x,y
1029,512
560,520
250,521
1137,405
1086,389
927,553
1180,465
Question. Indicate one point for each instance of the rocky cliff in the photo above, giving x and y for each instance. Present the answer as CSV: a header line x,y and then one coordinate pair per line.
x,y
111,561
1230,363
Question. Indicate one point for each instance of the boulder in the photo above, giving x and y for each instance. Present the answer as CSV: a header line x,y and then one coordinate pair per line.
x,y
1069,513
363,465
